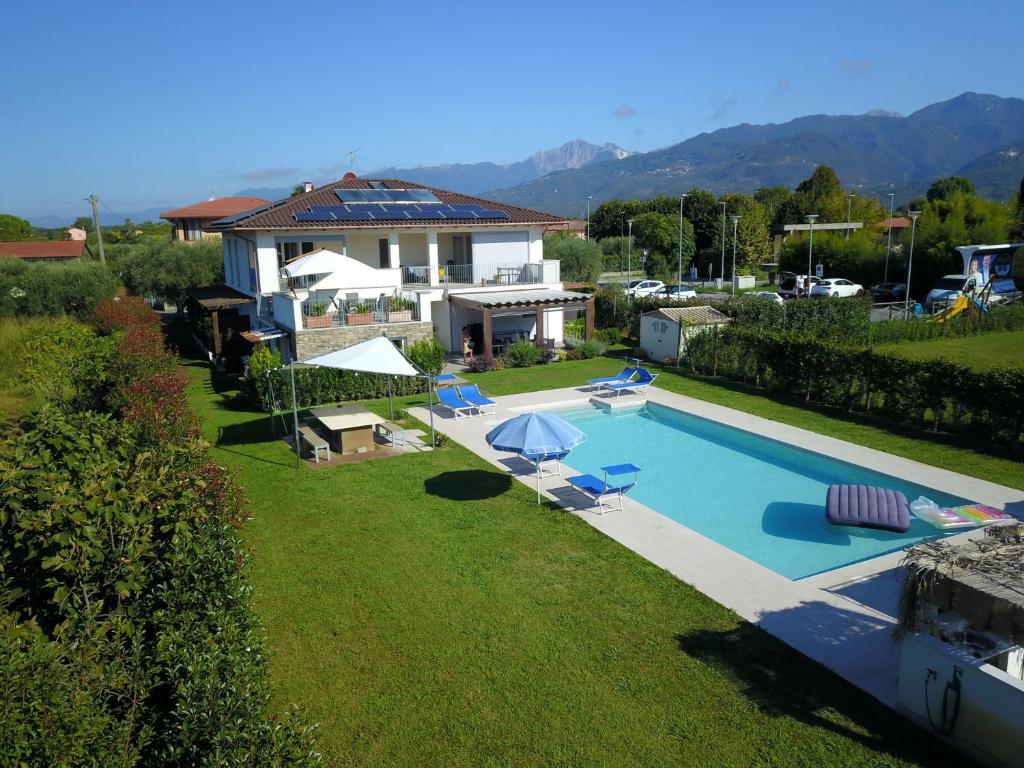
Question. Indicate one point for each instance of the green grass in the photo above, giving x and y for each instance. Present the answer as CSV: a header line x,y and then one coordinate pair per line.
x,y
980,352
427,612
17,397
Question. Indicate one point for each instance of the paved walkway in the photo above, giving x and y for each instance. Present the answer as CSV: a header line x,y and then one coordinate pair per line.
x,y
843,618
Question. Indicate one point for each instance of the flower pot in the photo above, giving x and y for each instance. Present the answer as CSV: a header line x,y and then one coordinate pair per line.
x,y
400,316
317,321
359,318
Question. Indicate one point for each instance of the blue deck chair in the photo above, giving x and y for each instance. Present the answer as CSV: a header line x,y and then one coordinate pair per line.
x,y
598,489
451,400
444,378
643,380
471,394
625,374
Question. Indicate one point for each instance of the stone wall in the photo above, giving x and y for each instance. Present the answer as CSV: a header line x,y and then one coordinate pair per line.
x,y
319,341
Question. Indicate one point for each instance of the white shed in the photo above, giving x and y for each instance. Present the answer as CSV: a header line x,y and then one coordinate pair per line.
x,y
664,331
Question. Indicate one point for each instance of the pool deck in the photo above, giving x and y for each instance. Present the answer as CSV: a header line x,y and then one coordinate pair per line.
x,y
843,618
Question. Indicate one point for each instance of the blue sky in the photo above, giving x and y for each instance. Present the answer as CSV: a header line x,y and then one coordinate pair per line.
x,y
151,104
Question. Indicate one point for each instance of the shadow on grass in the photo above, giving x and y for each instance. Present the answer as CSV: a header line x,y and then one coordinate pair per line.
x,y
782,682
467,485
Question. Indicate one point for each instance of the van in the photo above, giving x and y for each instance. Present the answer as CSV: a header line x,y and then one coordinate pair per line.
x,y
946,291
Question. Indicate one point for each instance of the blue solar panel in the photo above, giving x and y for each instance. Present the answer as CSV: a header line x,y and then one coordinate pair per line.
x,y
351,195
423,215
423,196
307,216
485,214
401,196
327,210
354,216
467,207
376,196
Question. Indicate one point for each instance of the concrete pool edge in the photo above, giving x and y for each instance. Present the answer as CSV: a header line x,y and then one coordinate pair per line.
x,y
846,635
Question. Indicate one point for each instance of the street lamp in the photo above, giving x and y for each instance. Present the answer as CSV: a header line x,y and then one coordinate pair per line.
x,y
735,222
722,273
810,250
629,254
910,260
589,198
849,209
679,271
888,239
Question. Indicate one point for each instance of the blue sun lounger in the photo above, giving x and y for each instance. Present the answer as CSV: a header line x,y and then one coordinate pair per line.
x,y
643,380
450,399
625,374
472,395
598,489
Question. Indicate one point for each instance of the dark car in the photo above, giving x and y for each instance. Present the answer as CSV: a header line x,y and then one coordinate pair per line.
x,y
884,292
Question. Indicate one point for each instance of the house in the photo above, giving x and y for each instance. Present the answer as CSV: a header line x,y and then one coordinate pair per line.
x,y
363,257
44,250
77,233
190,222
572,227
663,332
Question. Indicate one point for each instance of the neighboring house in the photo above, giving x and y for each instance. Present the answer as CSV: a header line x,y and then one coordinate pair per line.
x,y
573,226
364,257
77,233
190,222
44,250
663,332
783,232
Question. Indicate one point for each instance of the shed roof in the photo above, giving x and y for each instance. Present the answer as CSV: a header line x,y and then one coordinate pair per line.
x,y
219,296
697,315
44,249
281,215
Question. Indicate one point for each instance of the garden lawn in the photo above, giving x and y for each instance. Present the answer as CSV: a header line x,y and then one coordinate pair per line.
x,y
428,613
981,352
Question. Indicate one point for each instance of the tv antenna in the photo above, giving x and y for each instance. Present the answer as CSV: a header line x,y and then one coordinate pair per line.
x,y
352,157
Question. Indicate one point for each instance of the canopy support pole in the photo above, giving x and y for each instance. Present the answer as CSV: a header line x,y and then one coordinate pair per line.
x,y
295,417
391,405
430,408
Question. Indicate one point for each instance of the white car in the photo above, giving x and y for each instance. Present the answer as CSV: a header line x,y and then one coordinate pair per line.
x,y
770,295
643,287
836,286
792,287
675,293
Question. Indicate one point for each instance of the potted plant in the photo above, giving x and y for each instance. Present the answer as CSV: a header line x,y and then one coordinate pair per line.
x,y
316,316
358,314
400,310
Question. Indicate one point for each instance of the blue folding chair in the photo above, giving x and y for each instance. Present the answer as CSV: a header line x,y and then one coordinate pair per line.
x,y
598,489
472,395
451,400
625,374
639,385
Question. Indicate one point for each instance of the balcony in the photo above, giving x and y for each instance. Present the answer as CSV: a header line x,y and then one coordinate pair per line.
x,y
390,309
480,274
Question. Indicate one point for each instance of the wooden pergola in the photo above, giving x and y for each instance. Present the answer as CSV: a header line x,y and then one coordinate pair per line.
x,y
517,303
214,299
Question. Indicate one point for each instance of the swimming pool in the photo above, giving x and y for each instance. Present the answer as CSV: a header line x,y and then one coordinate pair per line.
x,y
758,497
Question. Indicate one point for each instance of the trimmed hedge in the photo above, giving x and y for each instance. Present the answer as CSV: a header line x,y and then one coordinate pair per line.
x,y
932,394
998,318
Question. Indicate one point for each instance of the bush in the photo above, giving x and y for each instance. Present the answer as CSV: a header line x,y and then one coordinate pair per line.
x,y
608,335
581,259
583,350
165,270
429,355
73,288
998,318
522,354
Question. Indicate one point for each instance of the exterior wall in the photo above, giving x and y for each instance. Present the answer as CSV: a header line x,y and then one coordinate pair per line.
x,y
364,247
320,341
287,311
412,248
501,247
536,244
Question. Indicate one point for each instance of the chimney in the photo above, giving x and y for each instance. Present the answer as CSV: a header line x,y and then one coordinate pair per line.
x,y
307,186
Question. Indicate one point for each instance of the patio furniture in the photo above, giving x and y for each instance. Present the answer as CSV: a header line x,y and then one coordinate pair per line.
x,y
449,398
598,489
316,443
391,433
867,506
472,395
626,374
639,385
352,426
537,437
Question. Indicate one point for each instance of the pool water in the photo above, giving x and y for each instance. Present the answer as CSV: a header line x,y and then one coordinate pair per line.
x,y
758,497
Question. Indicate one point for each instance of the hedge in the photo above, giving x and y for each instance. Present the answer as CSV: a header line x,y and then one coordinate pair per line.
x,y
998,318
933,394
73,288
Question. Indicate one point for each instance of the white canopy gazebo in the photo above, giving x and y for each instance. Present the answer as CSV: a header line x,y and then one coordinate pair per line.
x,y
319,262
378,355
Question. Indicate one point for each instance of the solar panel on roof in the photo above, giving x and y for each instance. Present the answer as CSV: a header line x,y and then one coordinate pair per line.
x,y
376,196
423,215
486,214
354,216
467,207
423,196
351,195
400,196
327,209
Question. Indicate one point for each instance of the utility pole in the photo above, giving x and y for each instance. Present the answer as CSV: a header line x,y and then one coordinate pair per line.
x,y
96,223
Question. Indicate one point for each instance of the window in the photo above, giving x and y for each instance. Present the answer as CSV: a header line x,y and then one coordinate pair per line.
x,y
192,230
307,248
286,252
383,253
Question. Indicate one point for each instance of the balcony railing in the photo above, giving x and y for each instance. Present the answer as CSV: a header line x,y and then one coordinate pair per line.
x,y
476,274
387,309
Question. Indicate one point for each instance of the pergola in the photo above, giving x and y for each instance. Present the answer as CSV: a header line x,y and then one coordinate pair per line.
x,y
515,303
213,299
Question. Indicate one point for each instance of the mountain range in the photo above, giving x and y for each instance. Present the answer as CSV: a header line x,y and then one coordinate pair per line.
x,y
975,135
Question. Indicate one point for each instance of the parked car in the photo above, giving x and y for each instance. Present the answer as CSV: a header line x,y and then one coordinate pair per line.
x,y
836,287
770,295
884,292
675,293
946,291
643,287
792,287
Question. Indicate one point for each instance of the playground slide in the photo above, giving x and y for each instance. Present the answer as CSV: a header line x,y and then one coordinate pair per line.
x,y
955,309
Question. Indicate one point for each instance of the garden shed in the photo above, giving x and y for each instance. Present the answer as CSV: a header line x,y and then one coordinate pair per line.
x,y
664,331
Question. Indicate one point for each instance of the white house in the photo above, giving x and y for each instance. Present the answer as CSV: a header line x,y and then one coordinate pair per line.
x,y
362,257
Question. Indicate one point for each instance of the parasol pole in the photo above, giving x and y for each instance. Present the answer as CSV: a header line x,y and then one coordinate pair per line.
x,y
391,405
537,464
295,418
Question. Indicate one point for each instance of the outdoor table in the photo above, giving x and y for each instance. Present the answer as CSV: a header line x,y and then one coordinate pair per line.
x,y
351,426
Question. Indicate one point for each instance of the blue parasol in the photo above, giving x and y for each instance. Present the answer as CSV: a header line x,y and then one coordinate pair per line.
x,y
536,437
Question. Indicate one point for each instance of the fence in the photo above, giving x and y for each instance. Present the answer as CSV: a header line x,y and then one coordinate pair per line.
x,y
317,313
476,274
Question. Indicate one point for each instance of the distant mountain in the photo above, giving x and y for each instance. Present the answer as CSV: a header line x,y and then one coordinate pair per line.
x,y
882,152
107,219
474,178
997,174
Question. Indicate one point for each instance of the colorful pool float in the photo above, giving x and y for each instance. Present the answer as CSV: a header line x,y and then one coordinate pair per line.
x,y
979,514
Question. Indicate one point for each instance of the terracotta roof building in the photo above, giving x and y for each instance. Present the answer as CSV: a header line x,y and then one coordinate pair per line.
x,y
44,250
191,220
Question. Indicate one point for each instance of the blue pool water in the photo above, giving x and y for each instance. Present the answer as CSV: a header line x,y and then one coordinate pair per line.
x,y
758,497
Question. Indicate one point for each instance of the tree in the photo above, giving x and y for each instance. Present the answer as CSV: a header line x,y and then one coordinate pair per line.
x,y
14,228
777,200
821,194
753,238
581,259
703,212
658,234
167,270
83,222
944,189
1017,231
297,190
